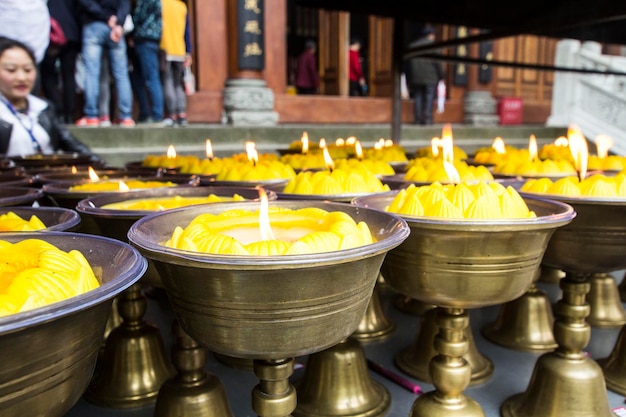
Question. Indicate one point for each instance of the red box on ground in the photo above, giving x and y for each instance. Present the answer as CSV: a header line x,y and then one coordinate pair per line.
x,y
510,110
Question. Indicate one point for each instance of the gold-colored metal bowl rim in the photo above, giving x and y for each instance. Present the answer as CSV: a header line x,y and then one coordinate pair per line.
x,y
80,302
399,231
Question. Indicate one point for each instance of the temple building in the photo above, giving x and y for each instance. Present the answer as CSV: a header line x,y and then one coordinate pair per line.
x,y
245,53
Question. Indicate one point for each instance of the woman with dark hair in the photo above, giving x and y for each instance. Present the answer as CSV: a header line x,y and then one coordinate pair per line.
x,y
27,123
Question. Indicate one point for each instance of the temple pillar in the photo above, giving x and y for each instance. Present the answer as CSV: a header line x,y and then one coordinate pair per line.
x,y
248,101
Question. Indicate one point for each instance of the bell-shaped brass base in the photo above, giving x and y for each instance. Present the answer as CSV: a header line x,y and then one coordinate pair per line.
x,y
524,324
375,325
192,392
412,306
560,387
336,382
605,302
615,365
133,364
414,360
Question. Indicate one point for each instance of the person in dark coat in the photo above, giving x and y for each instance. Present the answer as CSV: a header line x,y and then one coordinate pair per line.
x,y
422,76
307,77
66,13
27,123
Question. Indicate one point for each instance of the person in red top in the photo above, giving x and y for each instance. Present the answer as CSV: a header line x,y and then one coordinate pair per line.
x,y
357,80
307,78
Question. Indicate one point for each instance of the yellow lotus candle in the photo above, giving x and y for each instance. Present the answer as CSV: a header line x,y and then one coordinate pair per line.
x,y
385,150
11,222
482,200
596,186
431,170
117,185
171,160
271,231
335,181
166,203
35,273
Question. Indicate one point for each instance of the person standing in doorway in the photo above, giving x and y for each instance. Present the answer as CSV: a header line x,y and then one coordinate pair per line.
x,y
307,77
356,77
422,76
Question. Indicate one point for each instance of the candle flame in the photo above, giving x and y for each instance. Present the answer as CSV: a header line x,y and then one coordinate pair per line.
x,y
359,150
447,144
603,144
171,152
351,141
380,143
389,143
208,148
561,141
340,142
305,142
452,172
498,145
330,164
532,148
322,143
122,186
253,155
435,143
264,217
92,174
579,149
74,170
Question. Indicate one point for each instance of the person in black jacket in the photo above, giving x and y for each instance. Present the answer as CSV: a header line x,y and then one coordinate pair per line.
x,y
422,76
27,123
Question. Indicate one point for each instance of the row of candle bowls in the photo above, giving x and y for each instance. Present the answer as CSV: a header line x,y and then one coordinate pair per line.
x,y
247,309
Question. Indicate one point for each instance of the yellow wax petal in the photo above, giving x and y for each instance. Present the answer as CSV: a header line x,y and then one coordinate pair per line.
x,y
328,186
481,208
540,185
443,208
461,196
482,189
512,204
412,207
398,200
220,244
417,174
567,186
355,184
322,241
598,187
268,248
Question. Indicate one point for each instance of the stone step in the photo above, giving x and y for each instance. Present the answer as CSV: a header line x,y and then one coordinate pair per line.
x,y
121,145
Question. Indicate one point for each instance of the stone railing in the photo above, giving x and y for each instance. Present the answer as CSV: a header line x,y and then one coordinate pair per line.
x,y
596,103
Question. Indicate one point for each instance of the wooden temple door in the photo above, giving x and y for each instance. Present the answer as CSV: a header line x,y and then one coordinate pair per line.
x,y
334,29
380,57
533,86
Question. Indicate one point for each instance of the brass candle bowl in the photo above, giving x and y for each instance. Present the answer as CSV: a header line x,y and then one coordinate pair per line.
x,y
50,352
268,307
459,264
18,196
56,219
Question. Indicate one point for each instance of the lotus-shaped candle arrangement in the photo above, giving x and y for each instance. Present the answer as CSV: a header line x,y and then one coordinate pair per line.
x,y
54,348
465,263
268,308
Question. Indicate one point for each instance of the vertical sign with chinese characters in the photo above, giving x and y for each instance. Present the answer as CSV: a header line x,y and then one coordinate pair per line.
x,y
250,27
460,69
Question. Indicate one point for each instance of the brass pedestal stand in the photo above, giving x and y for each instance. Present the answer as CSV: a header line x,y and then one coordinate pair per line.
x,y
375,324
524,324
450,372
133,365
604,300
415,359
336,382
274,396
565,382
192,392
614,366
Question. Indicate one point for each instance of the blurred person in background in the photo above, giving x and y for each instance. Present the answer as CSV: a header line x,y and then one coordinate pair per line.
x,y
28,124
356,77
307,77
176,44
63,58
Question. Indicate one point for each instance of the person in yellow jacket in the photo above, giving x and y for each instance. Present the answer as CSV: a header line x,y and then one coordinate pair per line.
x,y
176,43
